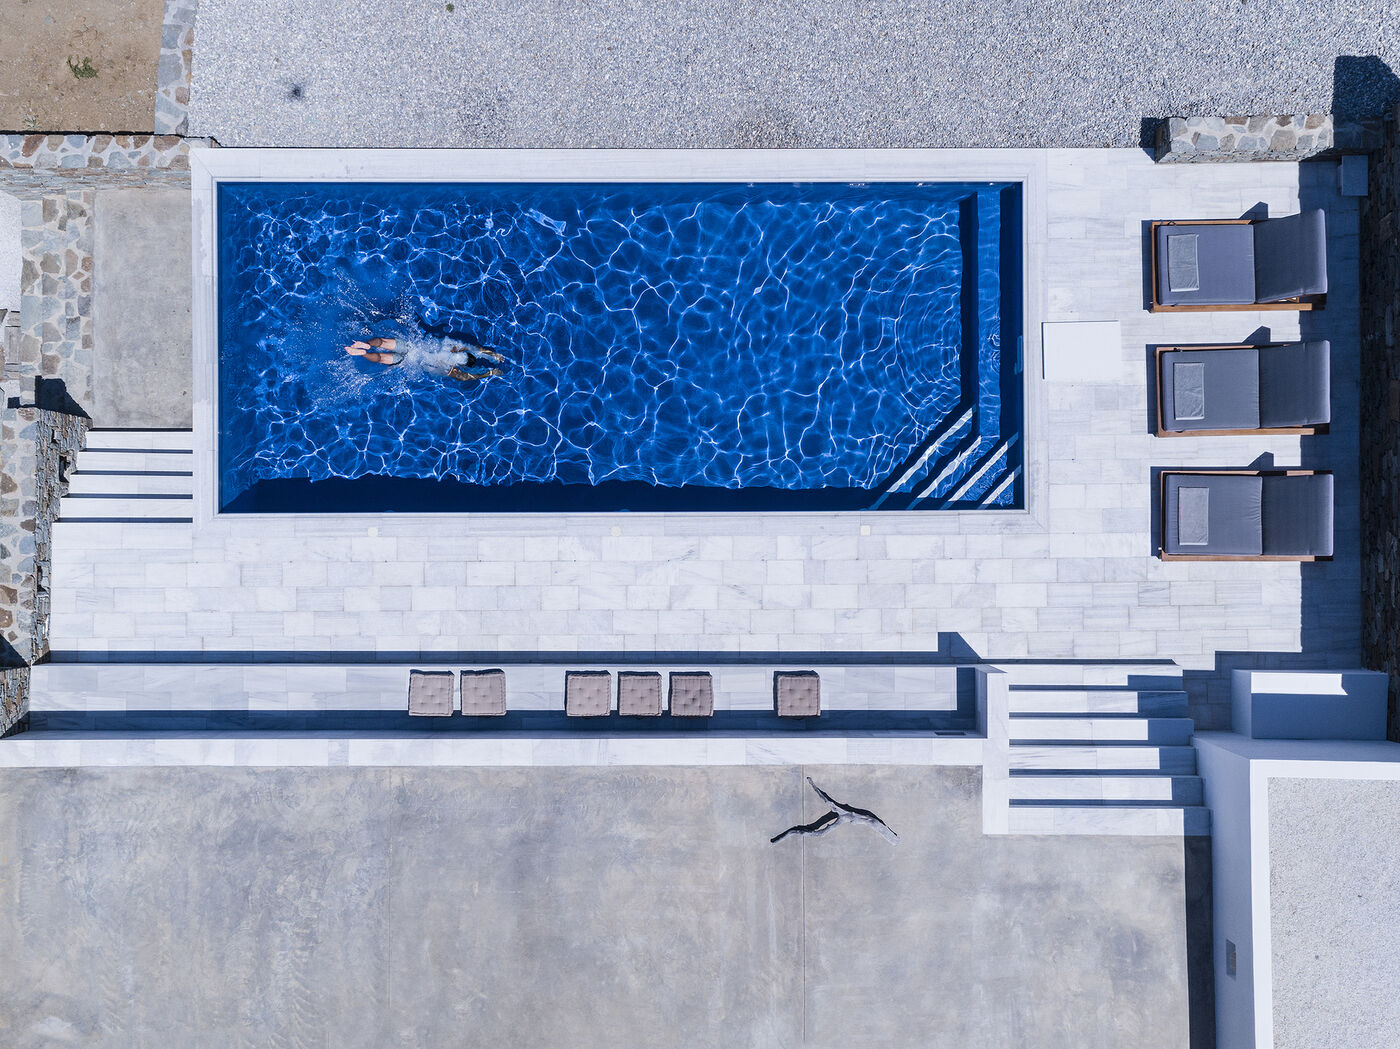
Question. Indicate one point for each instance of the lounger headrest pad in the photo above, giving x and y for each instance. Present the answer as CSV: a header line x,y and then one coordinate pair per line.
x,y
1290,257
1295,387
1298,515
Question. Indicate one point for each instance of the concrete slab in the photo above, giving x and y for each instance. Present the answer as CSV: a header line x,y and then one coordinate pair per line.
x,y
587,907
142,369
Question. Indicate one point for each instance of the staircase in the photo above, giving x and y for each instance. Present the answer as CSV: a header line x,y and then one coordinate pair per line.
x,y
132,476
1102,749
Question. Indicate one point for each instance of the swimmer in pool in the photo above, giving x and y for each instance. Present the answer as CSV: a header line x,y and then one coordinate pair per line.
x,y
385,351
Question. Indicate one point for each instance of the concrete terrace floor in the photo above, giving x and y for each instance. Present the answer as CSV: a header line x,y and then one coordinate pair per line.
x,y
619,907
1076,579
778,73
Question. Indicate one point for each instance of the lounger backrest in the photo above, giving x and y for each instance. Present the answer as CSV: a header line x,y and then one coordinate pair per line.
x,y
1290,257
1297,515
1295,384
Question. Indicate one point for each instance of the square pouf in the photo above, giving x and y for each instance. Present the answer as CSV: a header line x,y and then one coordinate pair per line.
x,y
639,694
587,693
692,695
483,693
798,693
430,693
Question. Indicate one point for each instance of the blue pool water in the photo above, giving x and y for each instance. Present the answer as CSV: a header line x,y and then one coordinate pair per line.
x,y
665,346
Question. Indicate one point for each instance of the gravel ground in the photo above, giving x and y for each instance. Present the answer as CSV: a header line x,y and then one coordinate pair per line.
x,y
772,72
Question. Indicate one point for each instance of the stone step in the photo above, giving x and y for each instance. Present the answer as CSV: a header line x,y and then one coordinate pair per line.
x,y
1126,820
94,460
1088,758
1145,789
1161,731
1098,702
90,483
1154,676
140,440
78,508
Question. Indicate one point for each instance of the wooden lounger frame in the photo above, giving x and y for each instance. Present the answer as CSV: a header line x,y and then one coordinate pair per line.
x,y
1160,432
1162,498
1307,302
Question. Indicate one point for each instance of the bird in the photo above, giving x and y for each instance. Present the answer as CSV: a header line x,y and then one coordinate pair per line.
x,y
838,814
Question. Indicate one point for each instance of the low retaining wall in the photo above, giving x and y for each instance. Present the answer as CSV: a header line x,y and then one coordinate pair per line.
x,y
37,447
1288,136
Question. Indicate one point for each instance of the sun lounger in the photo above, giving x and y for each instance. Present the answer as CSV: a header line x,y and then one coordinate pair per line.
x,y
587,693
1207,390
483,693
797,693
430,693
1246,515
1240,264
639,694
692,695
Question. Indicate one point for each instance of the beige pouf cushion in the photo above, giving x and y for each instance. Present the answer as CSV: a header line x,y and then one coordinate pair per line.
x,y
692,695
639,694
483,692
799,693
587,693
430,693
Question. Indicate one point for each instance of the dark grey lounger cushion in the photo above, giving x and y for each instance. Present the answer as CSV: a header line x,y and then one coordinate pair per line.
x,y
1298,516
1231,385
1234,502
1290,257
1224,265
1295,384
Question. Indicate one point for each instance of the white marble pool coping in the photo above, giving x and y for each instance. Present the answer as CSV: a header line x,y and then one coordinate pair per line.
x,y
208,167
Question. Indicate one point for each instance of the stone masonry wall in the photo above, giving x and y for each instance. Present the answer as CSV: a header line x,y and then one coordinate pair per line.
x,y
55,163
1380,413
1228,140
37,449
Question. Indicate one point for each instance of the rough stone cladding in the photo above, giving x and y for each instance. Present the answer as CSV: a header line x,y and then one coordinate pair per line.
x,y
1225,140
1380,413
52,163
173,72
37,448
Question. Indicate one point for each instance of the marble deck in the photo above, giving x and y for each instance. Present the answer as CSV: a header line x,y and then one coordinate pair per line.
x,y
1072,578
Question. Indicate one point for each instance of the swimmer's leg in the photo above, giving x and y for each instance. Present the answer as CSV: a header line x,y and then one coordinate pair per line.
x,y
466,376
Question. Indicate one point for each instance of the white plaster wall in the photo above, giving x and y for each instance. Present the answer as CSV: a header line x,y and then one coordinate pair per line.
x,y
1226,777
9,252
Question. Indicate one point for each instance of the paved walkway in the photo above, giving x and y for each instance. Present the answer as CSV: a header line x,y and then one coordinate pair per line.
x,y
778,73
1075,580
596,907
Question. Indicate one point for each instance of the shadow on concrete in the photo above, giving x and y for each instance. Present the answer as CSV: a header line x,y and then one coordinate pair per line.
x,y
51,395
1363,88
1200,940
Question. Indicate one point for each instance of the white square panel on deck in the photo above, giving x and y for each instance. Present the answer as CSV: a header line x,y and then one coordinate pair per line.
x,y
1082,351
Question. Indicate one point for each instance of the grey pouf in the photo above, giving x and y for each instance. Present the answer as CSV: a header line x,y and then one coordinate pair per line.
x,y
798,693
692,695
639,694
483,693
587,693
430,693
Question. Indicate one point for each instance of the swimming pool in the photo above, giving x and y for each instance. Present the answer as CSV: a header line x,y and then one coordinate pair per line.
x,y
665,346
